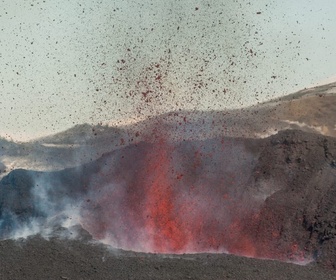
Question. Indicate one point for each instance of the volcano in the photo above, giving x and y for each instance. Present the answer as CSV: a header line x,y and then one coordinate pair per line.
x,y
170,190
220,195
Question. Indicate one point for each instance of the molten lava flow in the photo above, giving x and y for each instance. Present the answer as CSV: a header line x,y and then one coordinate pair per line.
x,y
196,222
240,243
162,220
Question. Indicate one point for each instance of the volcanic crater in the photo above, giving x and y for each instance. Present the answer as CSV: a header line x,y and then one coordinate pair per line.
x,y
269,197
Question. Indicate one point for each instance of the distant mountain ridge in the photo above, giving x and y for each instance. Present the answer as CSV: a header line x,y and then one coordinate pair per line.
x,y
311,110
81,134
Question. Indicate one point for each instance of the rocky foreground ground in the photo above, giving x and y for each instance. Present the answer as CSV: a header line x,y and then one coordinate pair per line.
x,y
37,258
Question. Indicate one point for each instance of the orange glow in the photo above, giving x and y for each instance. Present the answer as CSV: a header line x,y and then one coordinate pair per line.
x,y
167,199
161,220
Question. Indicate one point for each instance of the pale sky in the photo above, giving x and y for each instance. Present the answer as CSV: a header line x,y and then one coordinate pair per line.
x,y
69,62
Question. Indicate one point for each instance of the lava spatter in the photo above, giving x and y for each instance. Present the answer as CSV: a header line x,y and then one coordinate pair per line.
x,y
162,221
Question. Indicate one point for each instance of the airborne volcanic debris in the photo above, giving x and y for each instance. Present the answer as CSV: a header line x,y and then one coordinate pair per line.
x,y
185,140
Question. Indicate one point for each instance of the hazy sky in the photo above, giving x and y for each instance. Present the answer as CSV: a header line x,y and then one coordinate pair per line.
x,y
68,62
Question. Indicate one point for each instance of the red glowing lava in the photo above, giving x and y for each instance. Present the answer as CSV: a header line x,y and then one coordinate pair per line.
x,y
162,222
177,221
168,197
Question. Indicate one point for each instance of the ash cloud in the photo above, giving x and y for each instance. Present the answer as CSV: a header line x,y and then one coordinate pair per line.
x,y
35,203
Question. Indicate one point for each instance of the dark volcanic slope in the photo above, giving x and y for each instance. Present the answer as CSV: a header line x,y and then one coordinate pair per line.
x,y
303,210
37,258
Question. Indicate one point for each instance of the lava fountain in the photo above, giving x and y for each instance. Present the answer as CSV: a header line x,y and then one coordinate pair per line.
x,y
178,197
